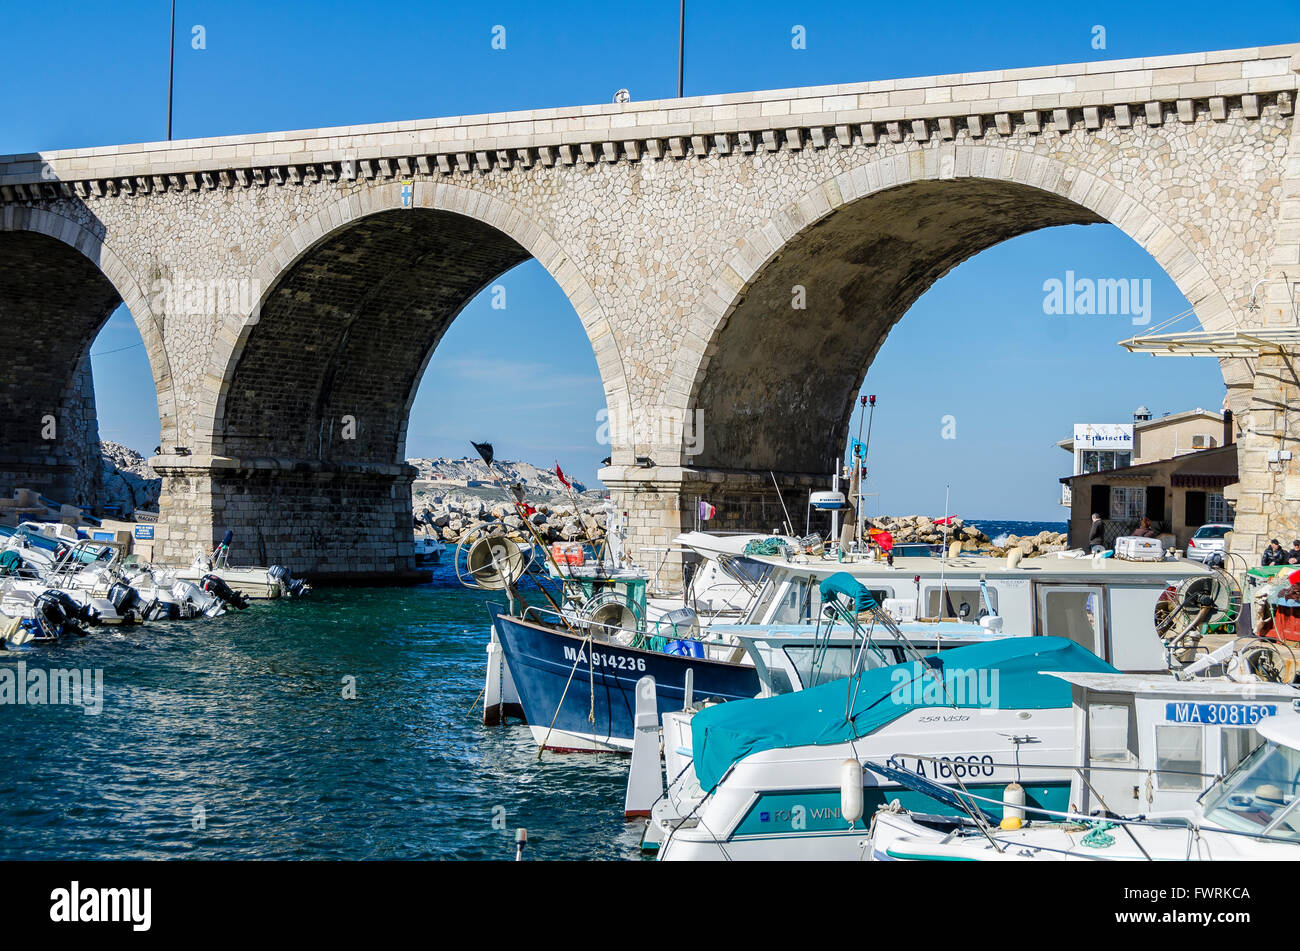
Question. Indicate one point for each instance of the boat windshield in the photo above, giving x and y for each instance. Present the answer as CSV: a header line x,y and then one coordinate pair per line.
x,y
750,573
1259,795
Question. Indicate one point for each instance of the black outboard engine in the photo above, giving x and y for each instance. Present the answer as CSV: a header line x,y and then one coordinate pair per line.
x,y
214,586
293,587
156,610
124,597
59,616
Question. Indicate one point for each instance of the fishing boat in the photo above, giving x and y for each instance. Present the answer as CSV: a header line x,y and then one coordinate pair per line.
x,y
1249,813
1106,606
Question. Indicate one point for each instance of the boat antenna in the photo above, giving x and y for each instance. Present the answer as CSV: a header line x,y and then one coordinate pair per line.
x,y
863,448
789,526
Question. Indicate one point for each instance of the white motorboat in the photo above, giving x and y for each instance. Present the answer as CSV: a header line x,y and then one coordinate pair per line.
x,y
1248,814
768,787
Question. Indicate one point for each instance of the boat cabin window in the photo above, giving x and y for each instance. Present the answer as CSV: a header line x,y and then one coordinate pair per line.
x,y
1179,757
1071,613
747,571
1237,743
949,602
817,666
1259,793
1111,734
794,606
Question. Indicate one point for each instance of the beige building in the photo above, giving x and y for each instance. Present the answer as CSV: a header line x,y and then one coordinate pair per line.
x,y
1174,470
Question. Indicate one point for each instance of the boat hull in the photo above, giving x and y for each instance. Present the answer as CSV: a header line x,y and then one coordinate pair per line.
x,y
580,700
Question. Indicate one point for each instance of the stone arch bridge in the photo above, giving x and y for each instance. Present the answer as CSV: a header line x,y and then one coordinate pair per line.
x,y
291,287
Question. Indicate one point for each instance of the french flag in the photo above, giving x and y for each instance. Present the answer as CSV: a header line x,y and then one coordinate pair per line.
x,y
707,511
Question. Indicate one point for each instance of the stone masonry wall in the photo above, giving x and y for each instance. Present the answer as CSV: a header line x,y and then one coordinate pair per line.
x,y
672,227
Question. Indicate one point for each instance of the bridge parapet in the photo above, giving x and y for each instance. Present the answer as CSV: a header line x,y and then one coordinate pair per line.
x,y
991,104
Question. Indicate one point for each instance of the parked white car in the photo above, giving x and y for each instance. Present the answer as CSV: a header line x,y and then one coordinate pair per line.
x,y
1207,540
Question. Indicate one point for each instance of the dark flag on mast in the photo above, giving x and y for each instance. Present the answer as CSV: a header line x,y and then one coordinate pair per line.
x,y
484,450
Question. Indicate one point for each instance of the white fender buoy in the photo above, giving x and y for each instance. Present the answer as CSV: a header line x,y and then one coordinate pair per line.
x,y
851,790
1013,806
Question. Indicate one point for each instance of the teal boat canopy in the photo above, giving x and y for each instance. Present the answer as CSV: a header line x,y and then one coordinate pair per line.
x,y
728,732
844,583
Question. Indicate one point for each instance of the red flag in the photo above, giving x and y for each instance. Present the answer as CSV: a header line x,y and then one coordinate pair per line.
x,y
560,475
944,521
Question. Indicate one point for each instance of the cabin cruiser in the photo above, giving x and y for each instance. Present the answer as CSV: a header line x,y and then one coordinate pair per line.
x,y
796,782
1247,808
427,551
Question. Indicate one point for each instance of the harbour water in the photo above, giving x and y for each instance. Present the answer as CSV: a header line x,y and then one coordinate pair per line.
x,y
233,739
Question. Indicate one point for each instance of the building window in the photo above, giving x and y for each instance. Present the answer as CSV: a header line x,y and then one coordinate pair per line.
x,y
1127,501
1103,460
1219,509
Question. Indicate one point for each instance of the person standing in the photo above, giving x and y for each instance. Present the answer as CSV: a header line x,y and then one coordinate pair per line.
x,y
1097,534
1145,530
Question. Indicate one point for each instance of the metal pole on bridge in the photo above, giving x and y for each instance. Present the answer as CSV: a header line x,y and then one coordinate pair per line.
x,y
171,65
681,48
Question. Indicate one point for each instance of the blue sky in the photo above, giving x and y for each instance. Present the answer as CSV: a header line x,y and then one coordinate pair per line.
x,y
1024,378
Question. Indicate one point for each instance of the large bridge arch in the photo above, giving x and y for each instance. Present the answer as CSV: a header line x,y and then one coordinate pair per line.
x,y
311,389
864,245
60,280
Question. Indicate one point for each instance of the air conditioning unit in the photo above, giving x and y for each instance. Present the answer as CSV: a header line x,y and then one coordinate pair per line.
x,y
1203,441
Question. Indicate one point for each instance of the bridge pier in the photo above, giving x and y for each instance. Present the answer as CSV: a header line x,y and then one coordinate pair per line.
x,y
1268,492
326,521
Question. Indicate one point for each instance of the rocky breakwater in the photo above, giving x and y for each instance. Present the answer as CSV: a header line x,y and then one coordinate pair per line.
x,y
126,482
453,497
918,529
452,517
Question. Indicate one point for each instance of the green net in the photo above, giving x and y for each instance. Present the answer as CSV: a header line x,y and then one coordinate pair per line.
x,y
765,546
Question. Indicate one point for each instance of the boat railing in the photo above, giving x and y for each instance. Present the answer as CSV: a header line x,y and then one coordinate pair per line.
x,y
1194,829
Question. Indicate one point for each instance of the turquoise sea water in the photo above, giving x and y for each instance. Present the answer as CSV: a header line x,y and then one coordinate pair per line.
x,y
231,738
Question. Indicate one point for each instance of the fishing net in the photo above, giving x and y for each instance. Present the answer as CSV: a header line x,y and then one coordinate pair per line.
x,y
765,546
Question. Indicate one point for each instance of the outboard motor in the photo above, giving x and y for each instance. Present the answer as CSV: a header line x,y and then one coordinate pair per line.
x,y
124,597
156,610
293,587
59,616
218,588
188,593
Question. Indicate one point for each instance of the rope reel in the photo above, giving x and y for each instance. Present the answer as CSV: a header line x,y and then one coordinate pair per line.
x,y
610,609
490,562
1269,660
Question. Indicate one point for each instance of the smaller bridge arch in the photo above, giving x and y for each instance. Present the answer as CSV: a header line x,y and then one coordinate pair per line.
x,y
60,279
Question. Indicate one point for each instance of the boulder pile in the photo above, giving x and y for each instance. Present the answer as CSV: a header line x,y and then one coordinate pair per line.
x,y
452,517
126,481
920,529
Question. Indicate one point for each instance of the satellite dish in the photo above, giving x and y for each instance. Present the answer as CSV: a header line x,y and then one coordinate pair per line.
x,y
622,96
494,563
